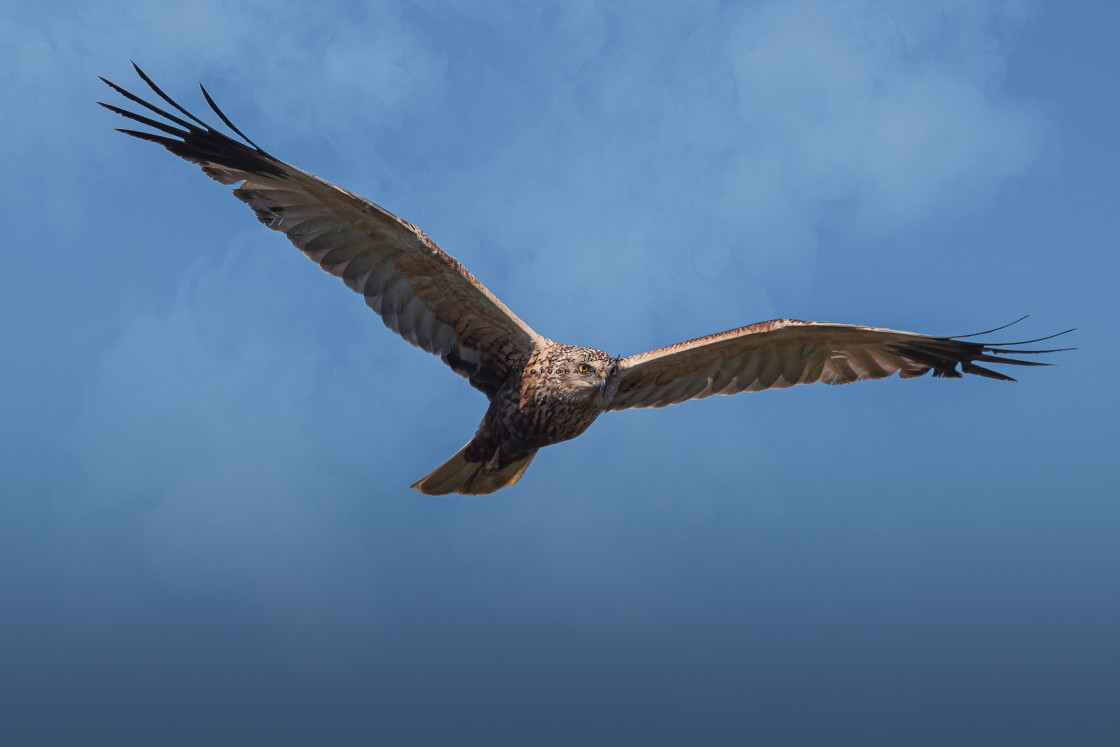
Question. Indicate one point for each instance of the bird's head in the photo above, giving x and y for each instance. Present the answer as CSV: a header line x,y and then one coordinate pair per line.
x,y
590,373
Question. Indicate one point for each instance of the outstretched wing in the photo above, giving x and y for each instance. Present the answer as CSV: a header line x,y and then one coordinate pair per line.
x,y
784,352
420,291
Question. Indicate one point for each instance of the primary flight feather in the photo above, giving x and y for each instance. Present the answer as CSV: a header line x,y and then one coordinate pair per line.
x,y
541,392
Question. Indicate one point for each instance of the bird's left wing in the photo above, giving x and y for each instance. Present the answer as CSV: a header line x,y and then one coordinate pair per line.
x,y
420,291
785,352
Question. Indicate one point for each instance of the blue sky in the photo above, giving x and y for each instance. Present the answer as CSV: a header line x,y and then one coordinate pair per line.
x,y
206,529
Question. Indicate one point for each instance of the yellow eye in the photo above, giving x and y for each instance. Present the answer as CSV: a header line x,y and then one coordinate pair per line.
x,y
614,370
583,368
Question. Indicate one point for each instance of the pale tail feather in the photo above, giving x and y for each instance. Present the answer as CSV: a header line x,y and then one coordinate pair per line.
x,y
457,475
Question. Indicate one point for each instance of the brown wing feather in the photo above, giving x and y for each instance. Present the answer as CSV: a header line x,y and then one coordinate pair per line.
x,y
785,352
420,291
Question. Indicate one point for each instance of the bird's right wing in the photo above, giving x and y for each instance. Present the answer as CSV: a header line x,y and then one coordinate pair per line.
x,y
420,291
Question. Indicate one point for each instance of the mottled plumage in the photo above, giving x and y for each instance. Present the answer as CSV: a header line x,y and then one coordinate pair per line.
x,y
541,392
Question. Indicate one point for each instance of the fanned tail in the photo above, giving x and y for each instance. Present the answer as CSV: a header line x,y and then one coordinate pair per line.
x,y
457,475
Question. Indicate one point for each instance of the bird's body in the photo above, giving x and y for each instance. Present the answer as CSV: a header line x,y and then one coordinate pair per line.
x,y
541,392
548,401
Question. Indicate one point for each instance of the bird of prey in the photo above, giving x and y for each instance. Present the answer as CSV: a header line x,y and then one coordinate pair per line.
x,y
541,392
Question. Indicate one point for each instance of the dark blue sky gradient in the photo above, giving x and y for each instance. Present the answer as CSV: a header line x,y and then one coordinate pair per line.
x,y
206,530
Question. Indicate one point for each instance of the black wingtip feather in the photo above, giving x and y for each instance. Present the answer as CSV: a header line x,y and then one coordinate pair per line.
x,y
990,331
159,92
942,355
150,107
220,155
166,142
972,368
231,125
1010,361
162,126
1037,339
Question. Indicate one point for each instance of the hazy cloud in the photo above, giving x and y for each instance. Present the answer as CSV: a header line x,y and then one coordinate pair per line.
x,y
894,109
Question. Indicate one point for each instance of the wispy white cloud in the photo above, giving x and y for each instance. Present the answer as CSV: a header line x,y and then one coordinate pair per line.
x,y
219,425
895,109
731,142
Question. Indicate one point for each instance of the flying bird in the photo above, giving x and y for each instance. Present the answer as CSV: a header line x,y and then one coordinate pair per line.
x,y
541,392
